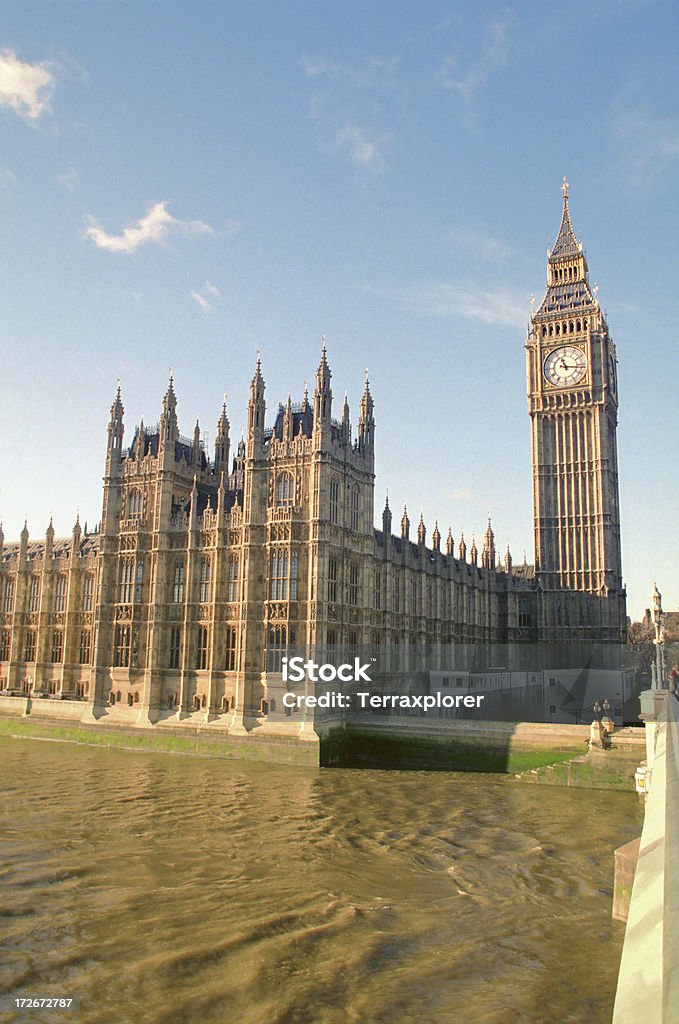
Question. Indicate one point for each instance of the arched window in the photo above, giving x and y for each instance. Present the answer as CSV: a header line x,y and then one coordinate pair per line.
x,y
126,580
30,646
231,638
136,505
334,499
121,648
278,578
355,500
178,588
202,647
232,584
5,645
57,646
85,647
34,595
60,595
294,571
286,489
140,580
205,573
276,647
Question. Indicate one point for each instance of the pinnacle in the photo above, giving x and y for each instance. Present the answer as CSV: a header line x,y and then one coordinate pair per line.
x,y
566,243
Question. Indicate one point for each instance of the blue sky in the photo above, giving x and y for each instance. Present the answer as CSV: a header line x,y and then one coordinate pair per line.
x,y
183,183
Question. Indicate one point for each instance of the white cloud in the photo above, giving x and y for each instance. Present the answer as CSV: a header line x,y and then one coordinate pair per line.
x,y
8,179
363,73
152,227
25,88
461,494
484,247
365,146
495,306
206,297
69,179
468,80
338,109
647,145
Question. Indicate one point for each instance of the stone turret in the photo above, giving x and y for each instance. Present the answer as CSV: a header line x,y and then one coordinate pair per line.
x,y
256,406
116,428
436,537
366,420
222,442
169,428
322,400
386,520
488,554
405,524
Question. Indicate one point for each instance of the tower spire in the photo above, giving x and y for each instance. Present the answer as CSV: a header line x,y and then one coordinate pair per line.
x,y
566,243
366,420
116,428
405,524
257,404
169,428
322,397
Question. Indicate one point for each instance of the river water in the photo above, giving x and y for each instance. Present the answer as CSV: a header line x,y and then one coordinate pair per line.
x,y
179,890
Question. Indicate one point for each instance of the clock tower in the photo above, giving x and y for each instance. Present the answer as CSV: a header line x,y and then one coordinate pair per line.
x,y
573,405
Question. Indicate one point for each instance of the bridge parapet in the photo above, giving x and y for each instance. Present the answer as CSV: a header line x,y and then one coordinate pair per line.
x,y
648,983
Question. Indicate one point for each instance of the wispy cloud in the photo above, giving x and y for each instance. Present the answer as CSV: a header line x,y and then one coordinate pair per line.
x,y
206,297
647,144
466,78
491,305
337,105
365,146
480,246
154,226
461,494
366,72
68,179
25,88
8,180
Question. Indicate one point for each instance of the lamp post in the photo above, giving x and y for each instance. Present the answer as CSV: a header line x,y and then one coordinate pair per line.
x,y
658,669
653,700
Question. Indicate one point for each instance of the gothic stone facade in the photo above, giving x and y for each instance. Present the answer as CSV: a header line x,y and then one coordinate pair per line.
x,y
205,572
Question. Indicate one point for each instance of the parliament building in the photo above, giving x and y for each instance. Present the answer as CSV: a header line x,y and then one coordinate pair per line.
x,y
209,567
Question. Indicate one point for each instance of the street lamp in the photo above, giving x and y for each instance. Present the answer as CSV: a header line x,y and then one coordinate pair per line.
x,y
658,670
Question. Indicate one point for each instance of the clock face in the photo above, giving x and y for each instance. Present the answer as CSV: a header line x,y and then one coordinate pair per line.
x,y
565,366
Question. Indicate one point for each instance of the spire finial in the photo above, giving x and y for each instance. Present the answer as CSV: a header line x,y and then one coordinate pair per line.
x,y
564,188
